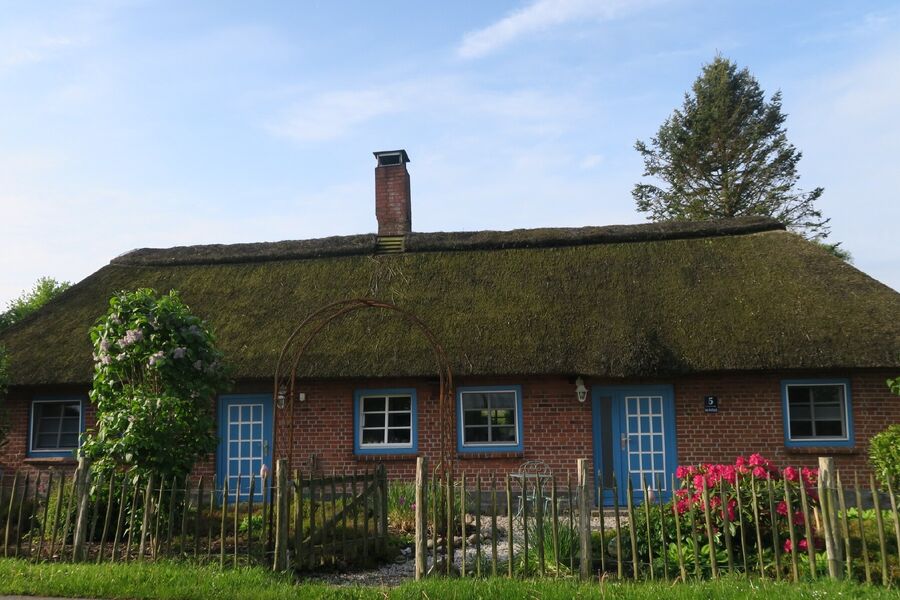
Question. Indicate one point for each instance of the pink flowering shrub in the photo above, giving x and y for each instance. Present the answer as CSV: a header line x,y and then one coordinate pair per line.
x,y
725,484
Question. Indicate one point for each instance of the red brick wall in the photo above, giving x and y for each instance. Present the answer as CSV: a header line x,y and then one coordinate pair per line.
x,y
323,430
750,419
556,428
14,455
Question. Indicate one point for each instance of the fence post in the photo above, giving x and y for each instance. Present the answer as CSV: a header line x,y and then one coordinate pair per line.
x,y
827,499
383,506
145,521
421,525
281,515
584,519
82,488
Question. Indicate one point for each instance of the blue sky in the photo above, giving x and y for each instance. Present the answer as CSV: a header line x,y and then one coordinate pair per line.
x,y
131,124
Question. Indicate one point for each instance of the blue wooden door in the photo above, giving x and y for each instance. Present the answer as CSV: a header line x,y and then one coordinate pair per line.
x,y
245,442
634,439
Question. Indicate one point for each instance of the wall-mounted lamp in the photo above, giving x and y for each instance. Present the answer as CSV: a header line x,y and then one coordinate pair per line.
x,y
580,390
280,397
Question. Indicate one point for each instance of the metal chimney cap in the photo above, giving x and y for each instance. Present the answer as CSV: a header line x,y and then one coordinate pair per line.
x,y
387,158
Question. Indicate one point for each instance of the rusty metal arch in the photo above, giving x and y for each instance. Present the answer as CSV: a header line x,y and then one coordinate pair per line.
x,y
294,349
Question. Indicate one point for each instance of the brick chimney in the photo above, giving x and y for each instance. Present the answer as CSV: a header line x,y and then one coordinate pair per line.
x,y
392,198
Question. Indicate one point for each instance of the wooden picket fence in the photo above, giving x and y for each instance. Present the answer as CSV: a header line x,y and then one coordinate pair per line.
x,y
463,527
303,522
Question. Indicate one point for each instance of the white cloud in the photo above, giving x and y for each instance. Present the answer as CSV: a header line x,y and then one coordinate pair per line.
x,y
21,50
866,26
334,114
28,39
538,16
591,160
846,124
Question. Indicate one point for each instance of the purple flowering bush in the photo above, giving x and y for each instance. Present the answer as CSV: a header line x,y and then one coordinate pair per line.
x,y
156,371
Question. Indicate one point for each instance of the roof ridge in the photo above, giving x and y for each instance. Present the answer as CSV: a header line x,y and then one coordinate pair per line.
x,y
351,245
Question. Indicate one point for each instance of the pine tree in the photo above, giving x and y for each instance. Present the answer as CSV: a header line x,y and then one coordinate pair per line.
x,y
724,154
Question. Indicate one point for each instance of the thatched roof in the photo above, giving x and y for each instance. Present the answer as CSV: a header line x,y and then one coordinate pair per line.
x,y
741,294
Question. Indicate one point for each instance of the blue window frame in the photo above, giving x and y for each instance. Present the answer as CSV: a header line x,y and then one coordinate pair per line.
x,y
489,418
385,422
55,425
817,412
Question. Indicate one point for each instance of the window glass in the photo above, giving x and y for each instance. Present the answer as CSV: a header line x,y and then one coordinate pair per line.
x,y
399,436
817,411
399,420
386,421
472,400
373,420
373,404
489,418
372,436
56,425
398,403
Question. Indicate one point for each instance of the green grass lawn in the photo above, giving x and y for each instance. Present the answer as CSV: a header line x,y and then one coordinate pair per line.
x,y
180,581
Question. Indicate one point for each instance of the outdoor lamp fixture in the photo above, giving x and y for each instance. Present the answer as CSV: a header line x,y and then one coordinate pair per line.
x,y
282,394
580,390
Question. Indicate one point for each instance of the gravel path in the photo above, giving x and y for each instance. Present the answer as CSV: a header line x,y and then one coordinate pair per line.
x,y
403,569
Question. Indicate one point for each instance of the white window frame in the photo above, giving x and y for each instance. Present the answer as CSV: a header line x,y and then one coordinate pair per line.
x,y
60,450
517,414
845,412
387,412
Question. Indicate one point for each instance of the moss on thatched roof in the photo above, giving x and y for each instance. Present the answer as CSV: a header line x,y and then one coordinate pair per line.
x,y
614,301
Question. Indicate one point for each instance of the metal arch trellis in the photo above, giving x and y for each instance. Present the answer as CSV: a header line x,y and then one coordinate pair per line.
x,y
299,341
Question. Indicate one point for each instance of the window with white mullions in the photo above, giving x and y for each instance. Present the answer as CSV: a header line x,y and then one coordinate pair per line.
x,y
489,417
246,446
817,411
55,425
386,421
645,431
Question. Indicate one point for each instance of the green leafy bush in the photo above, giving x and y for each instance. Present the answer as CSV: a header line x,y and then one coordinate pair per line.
x,y
402,505
254,526
568,545
884,454
156,371
58,505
